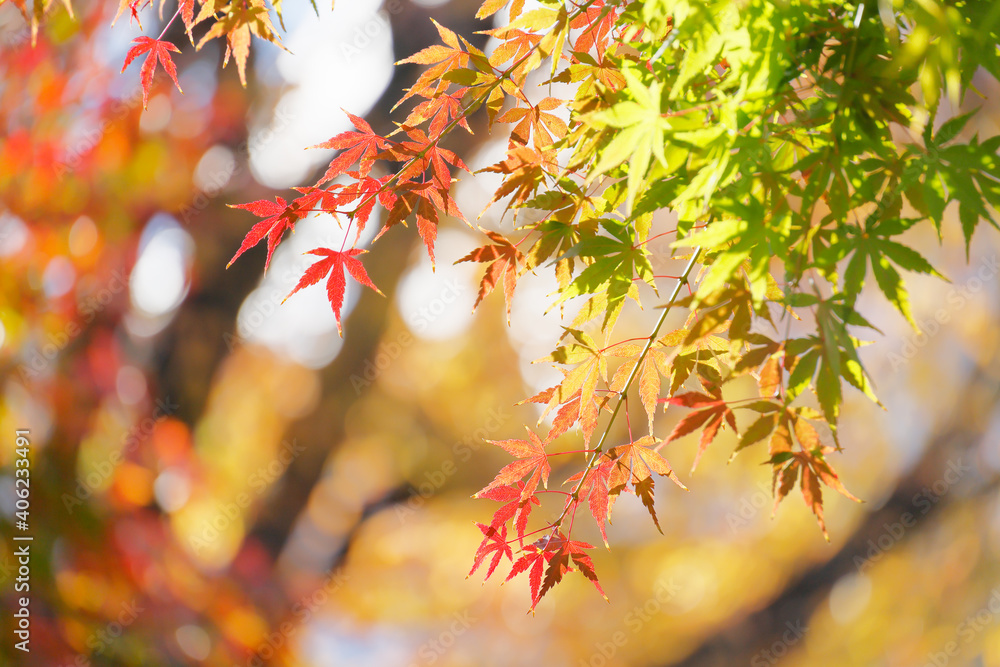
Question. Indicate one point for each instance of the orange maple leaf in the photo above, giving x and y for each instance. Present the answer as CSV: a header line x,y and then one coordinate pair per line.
x,y
362,145
238,21
503,258
278,216
532,461
494,541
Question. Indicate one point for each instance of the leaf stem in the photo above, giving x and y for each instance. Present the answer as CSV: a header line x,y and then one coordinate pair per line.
x,y
169,23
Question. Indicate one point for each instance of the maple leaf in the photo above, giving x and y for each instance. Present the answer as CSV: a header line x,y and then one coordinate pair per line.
x,y
813,495
617,261
157,50
591,366
637,461
514,44
424,153
655,363
238,21
361,146
597,22
783,482
278,215
187,14
334,263
525,169
503,257
531,459
711,409
133,7
568,414
495,541
515,506
533,561
423,200
814,470
546,126
442,109
442,58
567,553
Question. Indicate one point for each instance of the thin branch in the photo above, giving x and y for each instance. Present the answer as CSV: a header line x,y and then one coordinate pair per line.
x,y
599,450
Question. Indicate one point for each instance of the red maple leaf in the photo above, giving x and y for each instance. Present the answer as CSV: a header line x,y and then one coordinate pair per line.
x,y
556,555
567,554
278,215
531,459
422,200
515,506
366,191
334,262
710,409
187,13
424,153
315,199
535,558
131,5
597,23
495,541
361,147
157,50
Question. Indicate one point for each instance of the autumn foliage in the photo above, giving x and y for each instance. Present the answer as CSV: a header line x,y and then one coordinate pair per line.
x,y
762,140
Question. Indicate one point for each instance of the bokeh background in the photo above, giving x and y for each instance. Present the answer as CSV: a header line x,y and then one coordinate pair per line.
x,y
220,479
